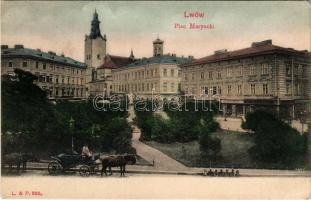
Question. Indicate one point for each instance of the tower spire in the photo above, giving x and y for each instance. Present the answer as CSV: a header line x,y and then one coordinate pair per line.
x,y
132,55
95,29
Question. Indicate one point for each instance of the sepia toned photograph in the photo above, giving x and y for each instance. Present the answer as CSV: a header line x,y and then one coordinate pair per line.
x,y
156,100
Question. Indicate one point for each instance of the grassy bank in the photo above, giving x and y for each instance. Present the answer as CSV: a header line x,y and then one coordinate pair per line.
x,y
234,152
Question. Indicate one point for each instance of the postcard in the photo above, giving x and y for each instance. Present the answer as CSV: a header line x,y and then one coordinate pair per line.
x,y
155,99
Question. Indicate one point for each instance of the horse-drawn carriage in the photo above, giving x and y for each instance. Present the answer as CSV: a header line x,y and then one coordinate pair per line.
x,y
64,162
87,166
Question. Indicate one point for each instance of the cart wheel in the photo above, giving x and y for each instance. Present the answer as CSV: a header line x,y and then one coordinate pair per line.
x,y
54,168
84,170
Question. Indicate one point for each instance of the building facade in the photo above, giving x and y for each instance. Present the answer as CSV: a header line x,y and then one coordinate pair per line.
x,y
261,76
102,83
157,75
94,56
99,62
59,76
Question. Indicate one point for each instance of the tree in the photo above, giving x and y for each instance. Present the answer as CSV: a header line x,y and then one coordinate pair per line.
x,y
209,146
275,141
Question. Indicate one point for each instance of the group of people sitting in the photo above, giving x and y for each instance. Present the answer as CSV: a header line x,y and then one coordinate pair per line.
x,y
221,173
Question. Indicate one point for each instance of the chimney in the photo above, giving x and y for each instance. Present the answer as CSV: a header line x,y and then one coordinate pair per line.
x,y
19,46
221,51
39,50
191,57
262,43
52,53
4,46
173,54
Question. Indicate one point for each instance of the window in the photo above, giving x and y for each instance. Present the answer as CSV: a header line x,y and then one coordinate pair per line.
x,y
229,89
172,72
288,70
264,68
239,89
252,70
240,70
214,90
24,63
205,90
98,56
37,64
63,79
265,88
219,74
192,90
10,63
296,69
253,89
47,79
210,75
44,66
186,77
165,72
172,87
56,80
219,90
202,75
164,87
288,88
202,90
192,76
179,72
229,72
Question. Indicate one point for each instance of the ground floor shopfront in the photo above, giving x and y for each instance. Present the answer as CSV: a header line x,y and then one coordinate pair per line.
x,y
285,109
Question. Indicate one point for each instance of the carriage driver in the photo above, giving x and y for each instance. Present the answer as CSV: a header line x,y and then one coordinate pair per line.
x,y
86,153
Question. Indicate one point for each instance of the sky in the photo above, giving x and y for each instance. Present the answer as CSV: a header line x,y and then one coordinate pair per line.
x,y
61,26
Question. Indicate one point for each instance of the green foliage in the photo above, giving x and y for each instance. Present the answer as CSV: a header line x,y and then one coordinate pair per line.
x,y
209,146
275,141
31,123
181,126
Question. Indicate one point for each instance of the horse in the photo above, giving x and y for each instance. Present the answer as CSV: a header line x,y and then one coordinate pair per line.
x,y
18,159
117,161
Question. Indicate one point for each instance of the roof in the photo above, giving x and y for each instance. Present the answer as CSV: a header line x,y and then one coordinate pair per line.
x,y
260,48
114,62
165,59
158,41
38,54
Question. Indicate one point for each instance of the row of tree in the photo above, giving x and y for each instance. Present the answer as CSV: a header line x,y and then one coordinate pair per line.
x,y
32,123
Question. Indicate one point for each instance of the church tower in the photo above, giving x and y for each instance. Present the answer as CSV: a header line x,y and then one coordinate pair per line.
x,y
158,47
94,48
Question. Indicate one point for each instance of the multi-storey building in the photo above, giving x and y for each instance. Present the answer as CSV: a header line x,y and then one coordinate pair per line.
x,y
102,83
59,76
157,75
99,62
261,76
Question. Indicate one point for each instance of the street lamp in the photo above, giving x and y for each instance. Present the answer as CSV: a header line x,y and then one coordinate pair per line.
x,y
71,125
152,91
